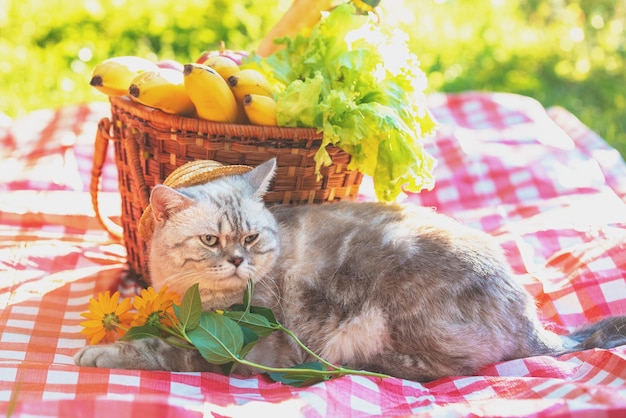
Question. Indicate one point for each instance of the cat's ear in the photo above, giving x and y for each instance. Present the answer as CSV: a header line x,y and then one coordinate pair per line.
x,y
166,201
261,176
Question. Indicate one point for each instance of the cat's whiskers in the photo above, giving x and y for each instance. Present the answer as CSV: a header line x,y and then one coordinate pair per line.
x,y
273,290
246,271
182,278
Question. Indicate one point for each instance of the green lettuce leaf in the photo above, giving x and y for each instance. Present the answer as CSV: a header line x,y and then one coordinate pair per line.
x,y
357,82
299,104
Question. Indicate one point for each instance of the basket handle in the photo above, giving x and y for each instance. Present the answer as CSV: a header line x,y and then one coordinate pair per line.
x,y
133,156
103,135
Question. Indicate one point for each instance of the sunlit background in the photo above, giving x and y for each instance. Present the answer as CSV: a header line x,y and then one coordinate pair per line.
x,y
568,53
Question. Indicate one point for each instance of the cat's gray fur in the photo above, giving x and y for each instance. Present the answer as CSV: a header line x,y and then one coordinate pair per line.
x,y
387,288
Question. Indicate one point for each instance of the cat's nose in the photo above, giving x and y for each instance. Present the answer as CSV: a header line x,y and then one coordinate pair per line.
x,y
236,261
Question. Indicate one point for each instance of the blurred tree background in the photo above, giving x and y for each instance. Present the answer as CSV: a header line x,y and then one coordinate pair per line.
x,y
561,52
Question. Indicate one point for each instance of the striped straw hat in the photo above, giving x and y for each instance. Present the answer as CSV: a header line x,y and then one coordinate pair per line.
x,y
189,174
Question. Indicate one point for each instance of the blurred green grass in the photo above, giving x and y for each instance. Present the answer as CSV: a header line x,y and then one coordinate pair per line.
x,y
567,53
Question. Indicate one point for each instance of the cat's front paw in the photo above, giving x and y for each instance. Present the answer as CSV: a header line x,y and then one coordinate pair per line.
x,y
107,356
142,354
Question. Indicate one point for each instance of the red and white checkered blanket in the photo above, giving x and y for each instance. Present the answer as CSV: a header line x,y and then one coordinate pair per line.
x,y
550,190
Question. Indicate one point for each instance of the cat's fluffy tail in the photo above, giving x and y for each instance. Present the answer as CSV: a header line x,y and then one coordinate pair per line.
x,y
607,333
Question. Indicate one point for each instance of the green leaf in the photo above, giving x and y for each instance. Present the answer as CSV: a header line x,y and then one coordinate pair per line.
x,y
218,338
250,339
190,309
303,94
259,310
144,331
257,323
301,375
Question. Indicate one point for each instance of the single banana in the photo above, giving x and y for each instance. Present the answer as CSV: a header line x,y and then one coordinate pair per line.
x,y
249,81
163,89
210,93
222,64
260,109
113,75
366,5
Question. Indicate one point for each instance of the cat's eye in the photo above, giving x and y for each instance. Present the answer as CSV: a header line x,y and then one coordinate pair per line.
x,y
209,240
250,238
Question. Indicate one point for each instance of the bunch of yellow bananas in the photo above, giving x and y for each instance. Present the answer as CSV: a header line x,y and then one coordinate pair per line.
x,y
114,75
214,88
163,88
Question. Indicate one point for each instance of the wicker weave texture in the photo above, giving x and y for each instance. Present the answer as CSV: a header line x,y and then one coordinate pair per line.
x,y
150,144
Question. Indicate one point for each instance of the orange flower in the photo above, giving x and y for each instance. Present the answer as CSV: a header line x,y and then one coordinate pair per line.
x,y
155,308
106,317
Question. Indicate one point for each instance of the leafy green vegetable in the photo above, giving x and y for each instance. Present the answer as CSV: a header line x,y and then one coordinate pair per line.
x,y
358,83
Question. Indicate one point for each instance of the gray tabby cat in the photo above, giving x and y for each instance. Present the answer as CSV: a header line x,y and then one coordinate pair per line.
x,y
394,289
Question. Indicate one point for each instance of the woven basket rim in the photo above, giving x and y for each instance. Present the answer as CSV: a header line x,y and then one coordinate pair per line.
x,y
197,125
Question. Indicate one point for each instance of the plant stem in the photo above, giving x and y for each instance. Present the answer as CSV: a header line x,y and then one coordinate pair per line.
x,y
181,345
177,330
338,371
304,347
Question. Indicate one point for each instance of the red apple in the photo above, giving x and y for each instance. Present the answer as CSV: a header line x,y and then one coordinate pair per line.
x,y
169,63
236,56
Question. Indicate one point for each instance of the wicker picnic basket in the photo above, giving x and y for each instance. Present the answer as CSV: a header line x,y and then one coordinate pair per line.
x,y
150,144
